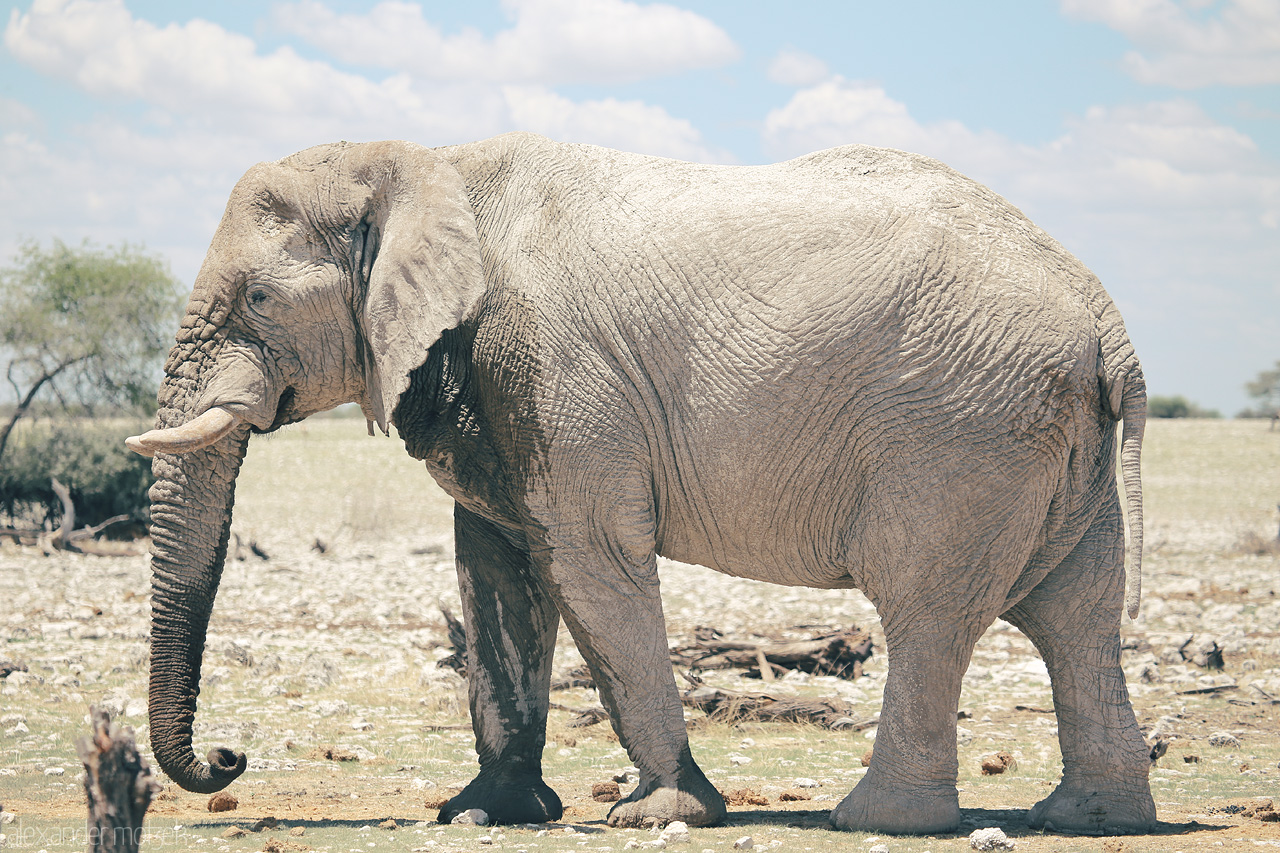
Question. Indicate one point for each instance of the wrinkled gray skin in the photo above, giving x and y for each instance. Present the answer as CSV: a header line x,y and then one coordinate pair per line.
x,y
853,369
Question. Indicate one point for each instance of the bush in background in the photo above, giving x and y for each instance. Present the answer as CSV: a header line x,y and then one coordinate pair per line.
x,y
1177,407
89,457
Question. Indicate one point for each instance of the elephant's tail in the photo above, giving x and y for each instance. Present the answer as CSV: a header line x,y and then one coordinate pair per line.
x,y
1133,410
1125,397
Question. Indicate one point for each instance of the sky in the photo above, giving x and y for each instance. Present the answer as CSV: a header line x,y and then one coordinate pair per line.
x,y
1144,135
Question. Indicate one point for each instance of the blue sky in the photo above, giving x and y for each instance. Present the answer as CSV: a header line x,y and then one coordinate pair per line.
x,y
1143,134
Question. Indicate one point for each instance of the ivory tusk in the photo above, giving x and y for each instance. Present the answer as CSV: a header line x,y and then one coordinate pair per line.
x,y
201,432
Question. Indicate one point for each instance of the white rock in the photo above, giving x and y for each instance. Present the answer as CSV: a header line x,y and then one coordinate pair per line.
x,y
360,724
991,838
54,771
879,848
805,782
1224,739
471,817
677,832
744,843
737,759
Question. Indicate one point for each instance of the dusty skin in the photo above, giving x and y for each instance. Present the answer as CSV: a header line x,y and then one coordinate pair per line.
x,y
304,646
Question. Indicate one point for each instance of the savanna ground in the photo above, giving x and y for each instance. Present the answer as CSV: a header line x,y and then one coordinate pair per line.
x,y
318,657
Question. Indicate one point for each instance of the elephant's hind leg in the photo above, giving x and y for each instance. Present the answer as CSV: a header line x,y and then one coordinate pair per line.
x,y
1073,617
910,785
511,631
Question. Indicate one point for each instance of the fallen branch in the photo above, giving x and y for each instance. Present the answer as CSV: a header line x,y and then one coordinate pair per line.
x,y
733,707
840,653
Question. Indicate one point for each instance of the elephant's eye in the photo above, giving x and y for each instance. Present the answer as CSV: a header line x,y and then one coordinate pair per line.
x,y
257,295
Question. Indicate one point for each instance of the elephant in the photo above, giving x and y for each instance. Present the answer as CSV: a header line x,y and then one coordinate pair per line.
x,y
855,369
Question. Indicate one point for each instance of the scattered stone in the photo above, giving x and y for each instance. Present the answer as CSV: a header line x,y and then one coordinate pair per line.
x,y
1204,652
54,771
298,831
744,843
805,782
471,817
994,765
389,823
794,796
879,848
1225,739
744,797
606,792
10,666
233,832
222,802
628,775
360,724
677,832
990,838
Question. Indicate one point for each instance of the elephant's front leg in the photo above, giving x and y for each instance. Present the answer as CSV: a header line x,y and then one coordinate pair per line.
x,y
612,606
511,631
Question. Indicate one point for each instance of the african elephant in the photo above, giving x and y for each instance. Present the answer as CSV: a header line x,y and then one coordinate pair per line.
x,y
853,369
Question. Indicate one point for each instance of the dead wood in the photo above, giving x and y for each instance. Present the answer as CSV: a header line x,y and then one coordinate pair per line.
x,y
731,706
840,653
457,641
119,785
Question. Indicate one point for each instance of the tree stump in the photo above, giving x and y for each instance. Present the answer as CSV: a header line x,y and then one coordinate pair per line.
x,y
119,784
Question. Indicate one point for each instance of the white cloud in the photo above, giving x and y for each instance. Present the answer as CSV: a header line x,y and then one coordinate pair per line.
x,y
1190,44
214,103
837,111
551,41
625,125
796,68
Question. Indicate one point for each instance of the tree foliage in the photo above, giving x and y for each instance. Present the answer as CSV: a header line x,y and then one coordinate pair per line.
x,y
105,479
85,326
1265,388
1177,407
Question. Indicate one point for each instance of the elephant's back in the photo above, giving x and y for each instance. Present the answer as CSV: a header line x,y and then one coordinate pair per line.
x,y
803,347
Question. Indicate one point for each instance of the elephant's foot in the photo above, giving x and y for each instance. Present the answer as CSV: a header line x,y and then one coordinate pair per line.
x,y
693,800
1085,810
506,800
878,808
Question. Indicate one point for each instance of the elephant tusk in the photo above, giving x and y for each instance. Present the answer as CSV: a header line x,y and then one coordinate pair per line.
x,y
201,432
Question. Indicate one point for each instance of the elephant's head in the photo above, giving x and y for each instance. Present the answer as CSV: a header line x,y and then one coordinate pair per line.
x,y
329,278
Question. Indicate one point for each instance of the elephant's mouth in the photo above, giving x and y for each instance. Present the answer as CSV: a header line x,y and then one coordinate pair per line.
x,y
286,413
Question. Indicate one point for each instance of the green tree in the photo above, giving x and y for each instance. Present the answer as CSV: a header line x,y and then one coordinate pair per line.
x,y
87,325
1266,390
1177,407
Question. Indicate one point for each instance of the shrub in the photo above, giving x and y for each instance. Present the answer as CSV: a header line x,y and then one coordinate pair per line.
x,y
1177,407
89,457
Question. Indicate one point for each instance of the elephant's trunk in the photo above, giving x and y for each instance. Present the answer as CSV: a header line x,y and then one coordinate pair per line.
x,y
191,505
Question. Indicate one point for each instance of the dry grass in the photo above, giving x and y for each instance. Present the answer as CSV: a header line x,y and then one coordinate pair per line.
x,y
314,656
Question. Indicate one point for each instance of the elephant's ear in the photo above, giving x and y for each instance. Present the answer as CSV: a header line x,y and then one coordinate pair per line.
x,y
418,255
